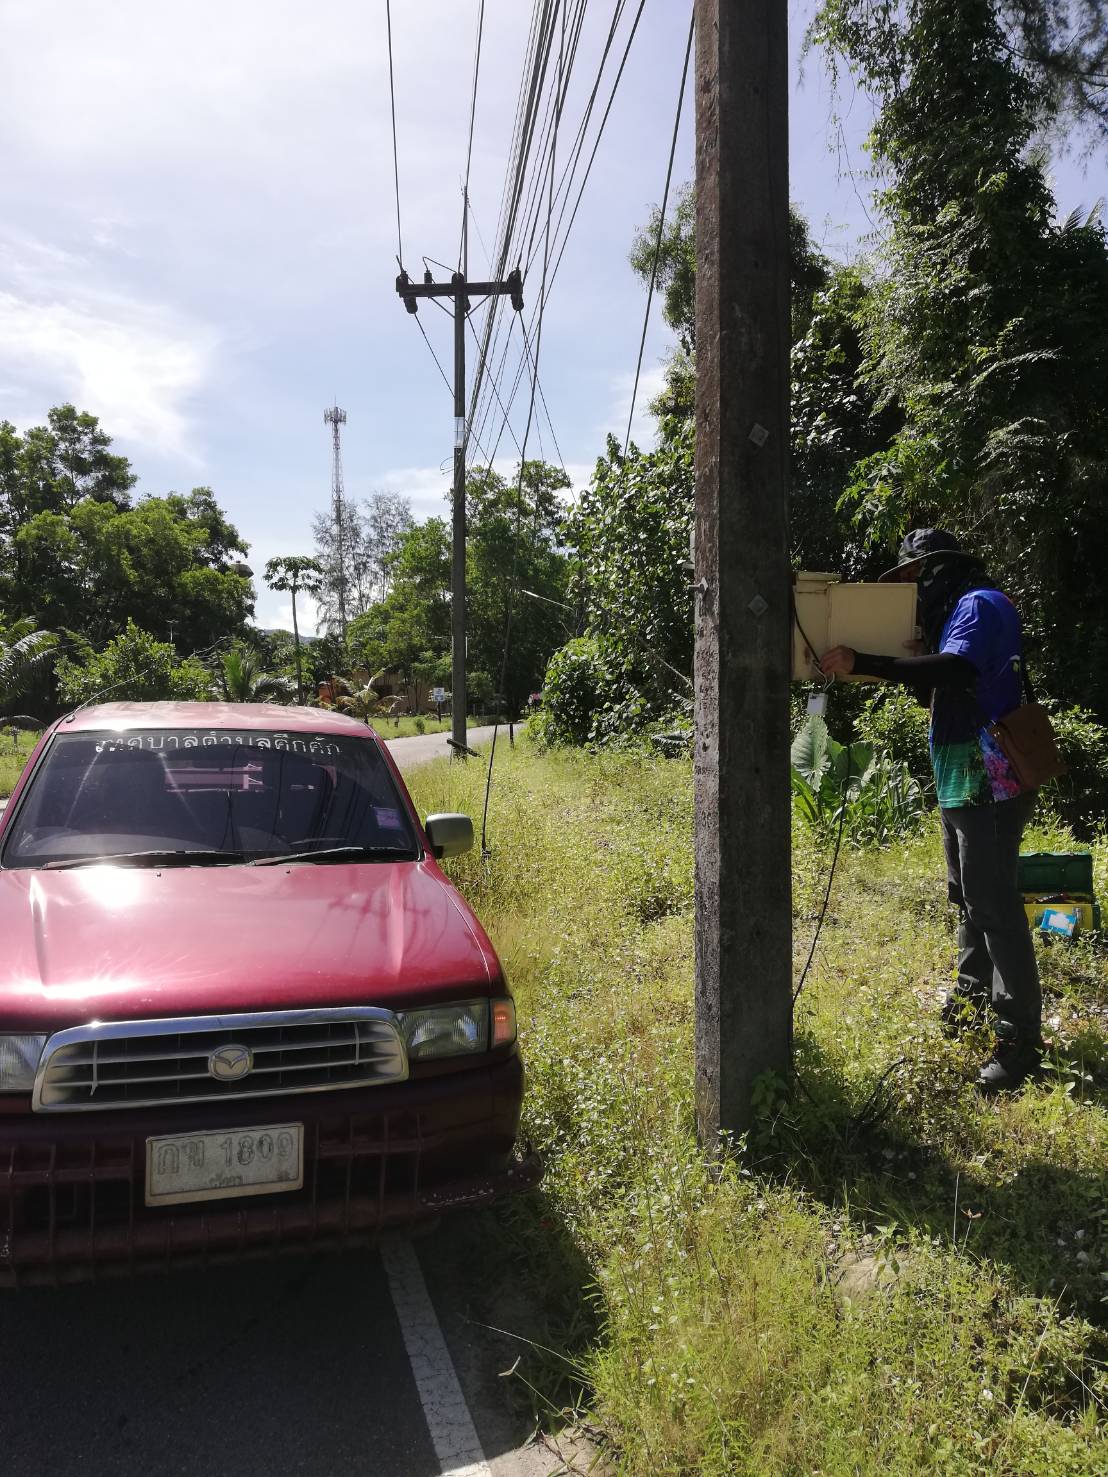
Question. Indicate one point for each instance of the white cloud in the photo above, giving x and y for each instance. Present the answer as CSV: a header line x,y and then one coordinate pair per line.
x,y
135,364
644,428
273,612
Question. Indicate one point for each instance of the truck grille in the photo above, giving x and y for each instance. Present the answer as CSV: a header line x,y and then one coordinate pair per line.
x,y
133,1064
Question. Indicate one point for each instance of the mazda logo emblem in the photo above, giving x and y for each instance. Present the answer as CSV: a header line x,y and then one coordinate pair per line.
x,y
230,1063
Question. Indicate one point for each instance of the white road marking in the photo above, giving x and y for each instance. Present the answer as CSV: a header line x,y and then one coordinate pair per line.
x,y
453,1434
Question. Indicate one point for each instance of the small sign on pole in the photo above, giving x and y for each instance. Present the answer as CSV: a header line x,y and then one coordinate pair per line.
x,y
438,697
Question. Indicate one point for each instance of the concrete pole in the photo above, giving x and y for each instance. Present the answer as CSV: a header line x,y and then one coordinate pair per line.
x,y
744,609
458,561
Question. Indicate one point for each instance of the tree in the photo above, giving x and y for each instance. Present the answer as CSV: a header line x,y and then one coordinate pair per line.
x,y
23,652
356,568
361,704
518,576
676,281
387,518
244,681
134,667
630,535
409,629
515,561
295,574
836,422
1061,46
988,330
52,468
77,553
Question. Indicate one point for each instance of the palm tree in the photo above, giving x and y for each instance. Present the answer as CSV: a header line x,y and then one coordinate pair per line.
x,y
245,682
297,574
361,704
20,658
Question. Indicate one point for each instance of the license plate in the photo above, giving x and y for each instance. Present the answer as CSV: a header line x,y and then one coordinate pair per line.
x,y
218,1166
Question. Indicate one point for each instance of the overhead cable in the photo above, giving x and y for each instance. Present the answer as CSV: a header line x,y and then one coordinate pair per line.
x,y
567,183
395,164
472,117
522,464
658,240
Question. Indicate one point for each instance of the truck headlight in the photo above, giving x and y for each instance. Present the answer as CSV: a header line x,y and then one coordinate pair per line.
x,y
463,1028
19,1062
460,1029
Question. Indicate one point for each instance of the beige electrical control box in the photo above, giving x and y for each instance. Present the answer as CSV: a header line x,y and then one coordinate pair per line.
x,y
875,618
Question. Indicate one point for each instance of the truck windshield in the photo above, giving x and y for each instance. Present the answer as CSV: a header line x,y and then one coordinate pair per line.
x,y
158,796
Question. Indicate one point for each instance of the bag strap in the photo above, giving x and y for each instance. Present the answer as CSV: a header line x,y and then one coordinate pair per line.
x,y
1028,686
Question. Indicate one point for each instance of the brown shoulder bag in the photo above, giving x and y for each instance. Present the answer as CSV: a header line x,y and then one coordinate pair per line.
x,y
1026,737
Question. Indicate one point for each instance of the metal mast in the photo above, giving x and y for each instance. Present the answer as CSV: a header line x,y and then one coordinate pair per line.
x,y
334,417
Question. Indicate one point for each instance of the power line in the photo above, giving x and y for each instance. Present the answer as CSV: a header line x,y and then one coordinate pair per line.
x,y
617,16
578,149
658,241
395,163
442,372
546,409
472,116
519,486
596,141
534,68
570,169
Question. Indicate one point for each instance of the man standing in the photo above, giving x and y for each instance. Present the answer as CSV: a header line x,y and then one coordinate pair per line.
x,y
972,677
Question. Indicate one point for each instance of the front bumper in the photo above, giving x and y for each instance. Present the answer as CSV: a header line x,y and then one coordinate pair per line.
x,y
72,1187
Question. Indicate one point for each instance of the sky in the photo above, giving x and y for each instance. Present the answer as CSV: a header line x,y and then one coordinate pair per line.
x,y
198,234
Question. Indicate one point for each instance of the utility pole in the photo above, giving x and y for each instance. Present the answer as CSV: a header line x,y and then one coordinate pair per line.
x,y
334,417
744,606
459,289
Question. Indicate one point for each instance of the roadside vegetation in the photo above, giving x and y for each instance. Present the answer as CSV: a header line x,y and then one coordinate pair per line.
x,y
14,751
892,1276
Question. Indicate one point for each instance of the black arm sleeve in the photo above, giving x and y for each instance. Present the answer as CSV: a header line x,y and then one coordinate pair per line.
x,y
946,669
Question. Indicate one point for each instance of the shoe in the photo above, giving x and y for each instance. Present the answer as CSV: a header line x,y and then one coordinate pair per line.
x,y
1015,1058
963,1012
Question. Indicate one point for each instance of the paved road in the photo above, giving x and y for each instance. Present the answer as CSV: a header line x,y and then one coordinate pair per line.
x,y
348,1366
409,752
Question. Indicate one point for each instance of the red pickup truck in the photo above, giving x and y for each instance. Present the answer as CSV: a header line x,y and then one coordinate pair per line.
x,y
241,1006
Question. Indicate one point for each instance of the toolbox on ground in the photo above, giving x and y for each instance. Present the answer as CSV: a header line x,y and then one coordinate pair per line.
x,y
1056,872
1057,890
1087,914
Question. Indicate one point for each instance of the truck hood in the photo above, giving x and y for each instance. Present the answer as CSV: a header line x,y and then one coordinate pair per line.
x,y
119,943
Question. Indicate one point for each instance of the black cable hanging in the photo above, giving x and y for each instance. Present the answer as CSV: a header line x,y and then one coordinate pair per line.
x,y
522,466
472,117
658,240
564,241
395,163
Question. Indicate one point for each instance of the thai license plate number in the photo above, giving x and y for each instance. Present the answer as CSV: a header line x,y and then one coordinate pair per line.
x,y
219,1166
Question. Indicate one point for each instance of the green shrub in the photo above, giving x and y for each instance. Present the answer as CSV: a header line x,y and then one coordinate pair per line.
x,y
577,695
134,667
420,725
1080,798
895,724
871,795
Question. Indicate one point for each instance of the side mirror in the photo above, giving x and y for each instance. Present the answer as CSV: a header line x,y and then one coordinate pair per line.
x,y
449,834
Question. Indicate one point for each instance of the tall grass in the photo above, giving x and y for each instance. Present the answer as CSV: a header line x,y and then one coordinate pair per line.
x,y
891,1276
14,752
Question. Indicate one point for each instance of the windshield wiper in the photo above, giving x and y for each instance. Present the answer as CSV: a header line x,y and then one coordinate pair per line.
x,y
179,858
341,853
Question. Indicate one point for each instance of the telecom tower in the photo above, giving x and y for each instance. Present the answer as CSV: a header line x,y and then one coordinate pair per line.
x,y
334,417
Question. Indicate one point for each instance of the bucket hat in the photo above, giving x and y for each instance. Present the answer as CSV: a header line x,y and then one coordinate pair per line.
x,y
920,544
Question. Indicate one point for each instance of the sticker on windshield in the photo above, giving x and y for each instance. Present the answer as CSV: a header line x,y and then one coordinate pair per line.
x,y
280,743
388,820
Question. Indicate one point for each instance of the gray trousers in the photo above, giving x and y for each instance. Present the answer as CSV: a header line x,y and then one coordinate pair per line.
x,y
996,955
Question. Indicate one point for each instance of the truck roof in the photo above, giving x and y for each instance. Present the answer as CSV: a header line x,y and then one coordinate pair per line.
x,y
272,717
